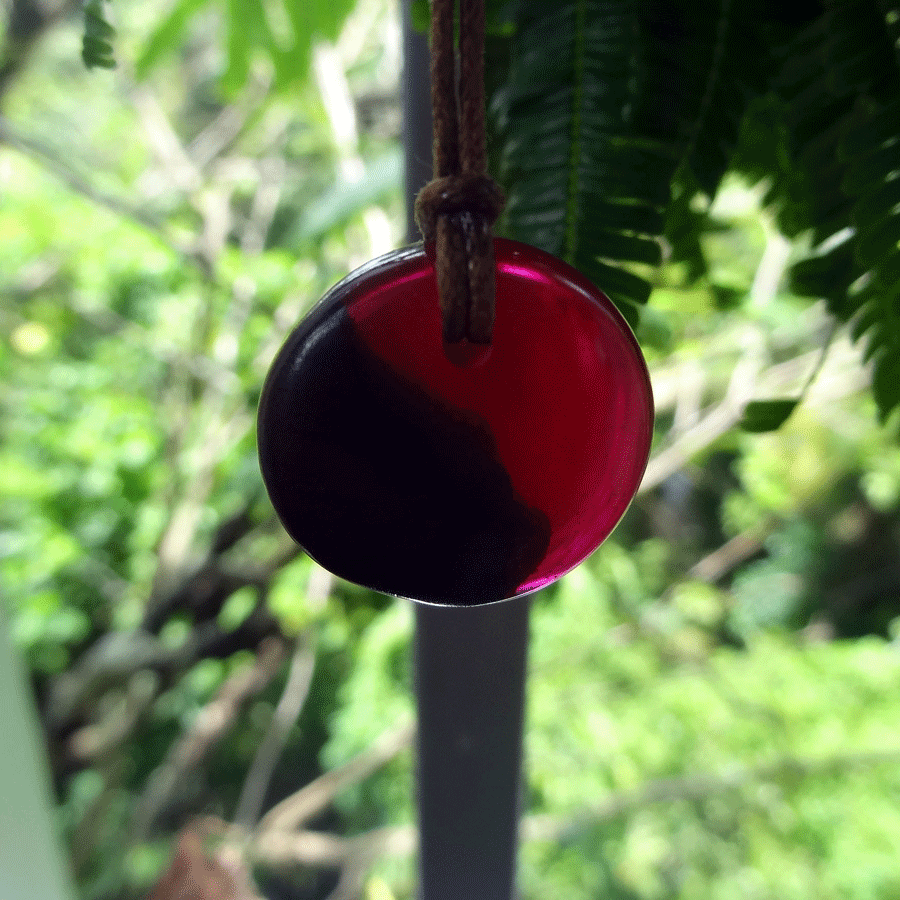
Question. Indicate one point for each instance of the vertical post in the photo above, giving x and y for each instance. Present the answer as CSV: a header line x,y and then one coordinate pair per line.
x,y
469,664
470,678
417,132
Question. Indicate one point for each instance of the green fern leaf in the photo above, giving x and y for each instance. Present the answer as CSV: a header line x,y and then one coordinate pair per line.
x,y
886,381
877,202
96,45
842,90
767,415
604,101
580,186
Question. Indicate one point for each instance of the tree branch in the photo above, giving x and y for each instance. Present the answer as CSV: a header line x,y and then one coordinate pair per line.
x,y
27,23
301,806
51,161
210,725
700,787
287,849
293,698
841,376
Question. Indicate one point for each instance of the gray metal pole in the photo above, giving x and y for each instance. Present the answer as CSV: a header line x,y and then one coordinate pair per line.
x,y
417,136
469,666
470,679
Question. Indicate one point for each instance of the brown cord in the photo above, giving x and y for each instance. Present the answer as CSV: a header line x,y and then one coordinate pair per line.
x,y
458,208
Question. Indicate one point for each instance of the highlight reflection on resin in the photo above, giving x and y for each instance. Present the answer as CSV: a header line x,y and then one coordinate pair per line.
x,y
397,469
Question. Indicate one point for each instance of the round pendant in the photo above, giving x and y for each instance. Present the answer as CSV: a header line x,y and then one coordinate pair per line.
x,y
456,482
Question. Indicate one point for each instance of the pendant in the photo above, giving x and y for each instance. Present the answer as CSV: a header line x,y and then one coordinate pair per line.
x,y
456,475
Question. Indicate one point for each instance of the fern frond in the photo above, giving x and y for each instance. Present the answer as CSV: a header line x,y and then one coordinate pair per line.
x,y
604,101
842,92
96,43
703,65
579,184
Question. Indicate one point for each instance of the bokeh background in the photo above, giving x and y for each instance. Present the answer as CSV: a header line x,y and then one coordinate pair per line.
x,y
714,696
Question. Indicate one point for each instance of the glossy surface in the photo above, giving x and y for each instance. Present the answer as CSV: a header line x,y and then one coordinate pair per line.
x,y
402,471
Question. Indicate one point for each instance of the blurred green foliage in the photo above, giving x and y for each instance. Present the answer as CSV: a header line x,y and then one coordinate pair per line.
x,y
712,702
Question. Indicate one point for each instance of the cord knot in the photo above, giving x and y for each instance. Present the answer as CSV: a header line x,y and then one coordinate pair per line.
x,y
452,194
457,212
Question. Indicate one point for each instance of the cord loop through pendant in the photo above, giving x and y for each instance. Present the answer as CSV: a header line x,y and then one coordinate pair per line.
x,y
458,209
